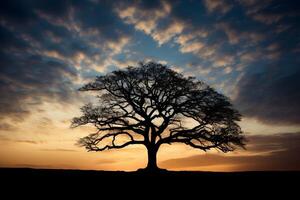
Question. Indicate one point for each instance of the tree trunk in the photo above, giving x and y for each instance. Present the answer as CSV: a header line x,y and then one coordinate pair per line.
x,y
152,161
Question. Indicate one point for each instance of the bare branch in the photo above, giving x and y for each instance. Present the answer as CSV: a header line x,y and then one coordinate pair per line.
x,y
154,105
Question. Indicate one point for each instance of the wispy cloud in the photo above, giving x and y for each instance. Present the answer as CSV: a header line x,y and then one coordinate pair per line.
x,y
217,6
59,149
277,152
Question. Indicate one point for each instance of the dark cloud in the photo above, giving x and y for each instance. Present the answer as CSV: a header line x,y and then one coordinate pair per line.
x,y
55,8
102,18
6,127
27,80
276,152
271,96
245,38
268,90
40,41
10,41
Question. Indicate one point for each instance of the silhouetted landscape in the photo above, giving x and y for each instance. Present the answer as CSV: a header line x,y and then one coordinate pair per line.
x,y
151,105
62,176
208,87
184,184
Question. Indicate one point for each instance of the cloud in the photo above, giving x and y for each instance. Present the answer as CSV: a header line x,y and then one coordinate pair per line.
x,y
227,70
170,26
193,47
163,35
250,56
242,51
264,152
235,37
47,47
59,149
6,127
27,80
153,19
269,12
223,61
143,15
201,39
267,18
247,50
272,93
253,6
221,6
26,141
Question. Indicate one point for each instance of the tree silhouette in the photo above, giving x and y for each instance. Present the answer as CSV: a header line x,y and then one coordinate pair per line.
x,y
153,105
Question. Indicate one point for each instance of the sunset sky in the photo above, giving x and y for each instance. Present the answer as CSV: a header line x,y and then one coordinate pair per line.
x,y
248,50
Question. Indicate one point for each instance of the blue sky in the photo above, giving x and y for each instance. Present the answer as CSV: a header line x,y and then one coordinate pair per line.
x,y
246,49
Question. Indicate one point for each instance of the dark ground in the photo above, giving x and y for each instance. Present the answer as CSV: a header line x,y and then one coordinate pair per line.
x,y
214,183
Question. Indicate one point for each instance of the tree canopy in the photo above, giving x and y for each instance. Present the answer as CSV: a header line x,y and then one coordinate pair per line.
x,y
152,105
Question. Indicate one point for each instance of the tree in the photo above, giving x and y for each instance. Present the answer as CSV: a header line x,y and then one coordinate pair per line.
x,y
152,105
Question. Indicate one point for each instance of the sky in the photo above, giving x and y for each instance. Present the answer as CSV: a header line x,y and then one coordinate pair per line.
x,y
246,49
